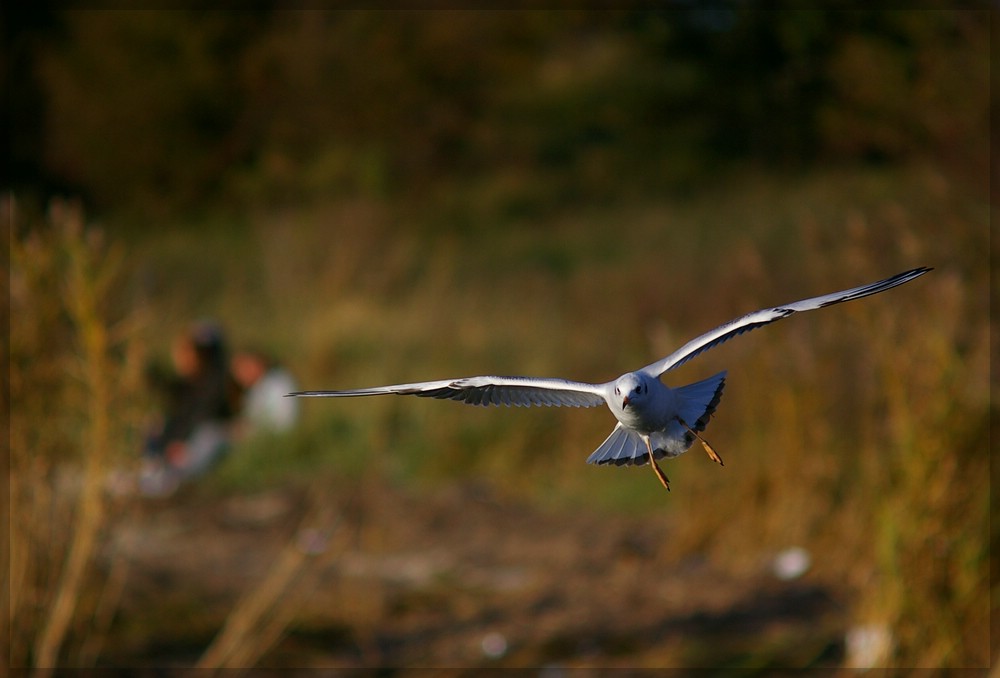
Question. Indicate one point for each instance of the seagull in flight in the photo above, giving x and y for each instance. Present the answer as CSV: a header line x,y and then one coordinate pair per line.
x,y
654,420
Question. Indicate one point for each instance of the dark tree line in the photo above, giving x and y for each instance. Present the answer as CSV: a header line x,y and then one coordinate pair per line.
x,y
179,109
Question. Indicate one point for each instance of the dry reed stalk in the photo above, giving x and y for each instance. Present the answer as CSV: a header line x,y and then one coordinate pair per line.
x,y
114,584
82,295
65,382
104,612
262,615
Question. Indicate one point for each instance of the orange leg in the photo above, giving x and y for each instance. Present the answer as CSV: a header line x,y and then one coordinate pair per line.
x,y
656,467
708,448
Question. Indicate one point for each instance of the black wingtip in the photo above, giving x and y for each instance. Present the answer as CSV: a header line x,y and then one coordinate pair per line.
x,y
915,273
911,274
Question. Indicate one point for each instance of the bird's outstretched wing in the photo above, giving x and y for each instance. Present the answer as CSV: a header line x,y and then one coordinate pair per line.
x,y
517,391
760,318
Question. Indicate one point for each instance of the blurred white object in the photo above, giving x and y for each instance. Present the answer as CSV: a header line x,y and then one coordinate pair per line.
x,y
264,406
494,645
157,479
868,646
791,563
312,541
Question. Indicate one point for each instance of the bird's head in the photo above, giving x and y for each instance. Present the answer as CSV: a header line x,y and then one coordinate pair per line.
x,y
631,389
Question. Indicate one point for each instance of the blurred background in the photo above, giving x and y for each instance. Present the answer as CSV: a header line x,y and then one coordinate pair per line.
x,y
379,197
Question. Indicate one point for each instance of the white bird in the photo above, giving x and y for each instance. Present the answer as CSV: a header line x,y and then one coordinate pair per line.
x,y
654,420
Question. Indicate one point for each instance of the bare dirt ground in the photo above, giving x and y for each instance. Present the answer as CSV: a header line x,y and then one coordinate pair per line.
x,y
372,575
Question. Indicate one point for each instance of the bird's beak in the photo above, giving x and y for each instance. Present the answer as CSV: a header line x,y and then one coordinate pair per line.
x,y
625,402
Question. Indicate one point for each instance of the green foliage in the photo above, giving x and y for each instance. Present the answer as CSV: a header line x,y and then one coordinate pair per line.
x,y
332,445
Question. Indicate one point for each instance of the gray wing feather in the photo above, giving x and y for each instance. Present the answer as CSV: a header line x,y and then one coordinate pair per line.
x,y
696,402
509,391
765,316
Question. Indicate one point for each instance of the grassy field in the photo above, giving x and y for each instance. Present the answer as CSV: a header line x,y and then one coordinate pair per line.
x,y
860,433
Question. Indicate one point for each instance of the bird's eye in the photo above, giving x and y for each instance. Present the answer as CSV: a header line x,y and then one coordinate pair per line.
x,y
617,391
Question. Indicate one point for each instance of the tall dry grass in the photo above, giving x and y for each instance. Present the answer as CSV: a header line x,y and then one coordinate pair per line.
x,y
74,379
858,432
863,434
